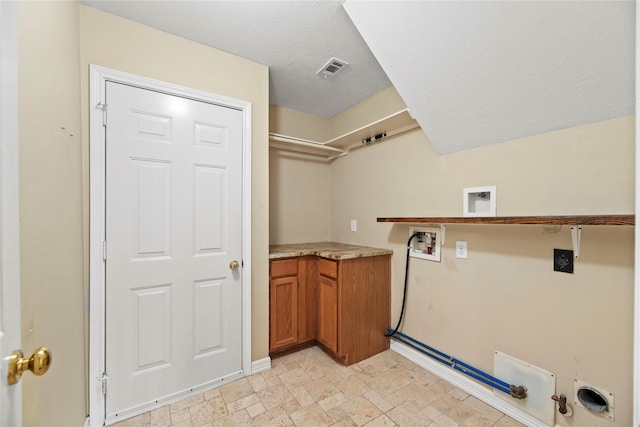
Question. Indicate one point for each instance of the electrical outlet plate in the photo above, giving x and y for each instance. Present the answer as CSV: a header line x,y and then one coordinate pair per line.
x,y
563,260
461,249
427,247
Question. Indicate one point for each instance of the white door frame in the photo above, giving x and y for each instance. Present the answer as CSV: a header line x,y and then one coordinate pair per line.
x,y
98,78
10,396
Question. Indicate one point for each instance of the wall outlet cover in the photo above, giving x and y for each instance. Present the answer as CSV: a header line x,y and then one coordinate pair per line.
x,y
563,260
461,249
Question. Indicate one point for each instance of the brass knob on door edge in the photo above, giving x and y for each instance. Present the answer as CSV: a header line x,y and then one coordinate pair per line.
x,y
38,363
234,265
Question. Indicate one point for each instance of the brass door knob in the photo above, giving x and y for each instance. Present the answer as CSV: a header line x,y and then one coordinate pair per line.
x,y
38,363
234,265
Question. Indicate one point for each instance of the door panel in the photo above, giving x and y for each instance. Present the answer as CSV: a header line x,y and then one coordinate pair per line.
x,y
173,224
152,316
209,183
151,209
207,318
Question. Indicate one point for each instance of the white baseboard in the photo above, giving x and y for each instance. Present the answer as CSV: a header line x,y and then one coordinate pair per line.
x,y
467,384
260,365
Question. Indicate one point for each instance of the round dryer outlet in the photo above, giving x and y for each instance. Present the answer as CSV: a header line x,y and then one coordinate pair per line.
x,y
596,400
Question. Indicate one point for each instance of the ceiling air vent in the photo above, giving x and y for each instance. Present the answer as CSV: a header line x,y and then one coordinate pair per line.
x,y
332,68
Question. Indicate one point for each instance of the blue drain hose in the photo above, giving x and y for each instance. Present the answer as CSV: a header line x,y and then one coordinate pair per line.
x,y
456,364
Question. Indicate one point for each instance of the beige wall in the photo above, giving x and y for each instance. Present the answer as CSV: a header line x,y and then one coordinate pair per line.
x,y
286,121
506,296
57,42
299,184
299,201
51,210
382,104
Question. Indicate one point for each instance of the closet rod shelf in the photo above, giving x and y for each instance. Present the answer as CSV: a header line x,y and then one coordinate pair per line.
x,y
376,131
628,220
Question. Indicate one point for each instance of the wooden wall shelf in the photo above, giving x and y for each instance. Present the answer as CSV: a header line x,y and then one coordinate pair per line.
x,y
526,220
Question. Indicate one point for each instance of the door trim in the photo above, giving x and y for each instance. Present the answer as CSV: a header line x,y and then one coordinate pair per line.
x,y
98,79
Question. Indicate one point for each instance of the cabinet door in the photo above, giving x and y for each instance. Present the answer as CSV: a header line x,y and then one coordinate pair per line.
x,y
328,313
283,312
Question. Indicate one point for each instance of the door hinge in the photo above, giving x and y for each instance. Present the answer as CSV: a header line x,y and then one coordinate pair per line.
x,y
103,379
103,107
104,250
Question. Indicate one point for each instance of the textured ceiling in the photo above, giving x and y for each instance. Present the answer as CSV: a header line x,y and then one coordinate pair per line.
x,y
480,72
471,72
294,38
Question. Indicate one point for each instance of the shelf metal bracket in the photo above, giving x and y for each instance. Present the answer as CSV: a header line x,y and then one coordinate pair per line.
x,y
443,227
576,232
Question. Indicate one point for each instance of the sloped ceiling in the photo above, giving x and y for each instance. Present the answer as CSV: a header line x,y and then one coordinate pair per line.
x,y
471,72
481,72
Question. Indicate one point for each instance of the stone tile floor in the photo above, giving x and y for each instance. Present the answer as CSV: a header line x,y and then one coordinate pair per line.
x,y
308,388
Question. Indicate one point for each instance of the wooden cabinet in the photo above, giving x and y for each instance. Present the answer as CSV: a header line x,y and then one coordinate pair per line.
x,y
363,306
292,307
343,305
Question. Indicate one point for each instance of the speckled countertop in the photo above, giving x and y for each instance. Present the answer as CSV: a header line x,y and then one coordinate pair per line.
x,y
331,250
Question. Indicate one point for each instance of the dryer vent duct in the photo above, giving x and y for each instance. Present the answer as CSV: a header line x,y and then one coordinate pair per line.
x,y
331,68
595,399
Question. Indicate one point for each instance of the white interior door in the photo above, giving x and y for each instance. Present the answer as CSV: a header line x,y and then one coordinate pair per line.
x,y
10,396
173,227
